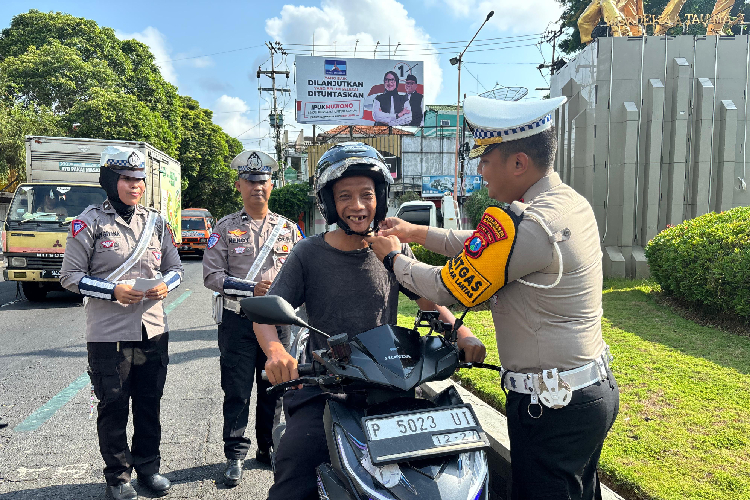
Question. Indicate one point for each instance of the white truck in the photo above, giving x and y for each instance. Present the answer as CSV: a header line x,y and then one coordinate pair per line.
x,y
62,180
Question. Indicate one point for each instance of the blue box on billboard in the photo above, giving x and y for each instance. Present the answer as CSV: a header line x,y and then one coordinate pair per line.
x,y
335,67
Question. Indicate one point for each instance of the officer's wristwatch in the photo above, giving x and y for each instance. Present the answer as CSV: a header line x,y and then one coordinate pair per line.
x,y
388,260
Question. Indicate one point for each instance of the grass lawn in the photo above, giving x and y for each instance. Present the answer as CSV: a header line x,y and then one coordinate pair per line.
x,y
683,430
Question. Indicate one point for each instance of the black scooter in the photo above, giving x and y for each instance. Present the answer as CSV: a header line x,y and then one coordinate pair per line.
x,y
395,446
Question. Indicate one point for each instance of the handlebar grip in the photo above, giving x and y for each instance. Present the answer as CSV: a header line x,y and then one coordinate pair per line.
x,y
305,369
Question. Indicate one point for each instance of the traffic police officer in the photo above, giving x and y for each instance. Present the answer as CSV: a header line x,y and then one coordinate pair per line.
x,y
538,261
126,329
232,249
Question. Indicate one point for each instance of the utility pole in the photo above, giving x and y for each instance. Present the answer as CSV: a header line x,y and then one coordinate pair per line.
x,y
275,119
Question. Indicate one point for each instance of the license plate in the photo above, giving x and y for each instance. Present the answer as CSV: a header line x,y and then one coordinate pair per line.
x,y
415,423
50,274
408,436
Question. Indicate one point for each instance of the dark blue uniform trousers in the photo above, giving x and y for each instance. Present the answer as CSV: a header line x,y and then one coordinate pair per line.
x,y
242,360
555,456
121,372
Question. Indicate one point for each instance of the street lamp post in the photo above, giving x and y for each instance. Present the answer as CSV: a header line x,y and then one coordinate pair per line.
x,y
454,61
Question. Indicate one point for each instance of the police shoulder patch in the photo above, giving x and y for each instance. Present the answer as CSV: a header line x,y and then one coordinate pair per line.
x,y
76,226
475,274
212,240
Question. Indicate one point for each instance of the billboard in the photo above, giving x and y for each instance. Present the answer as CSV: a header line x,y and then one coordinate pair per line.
x,y
349,91
438,185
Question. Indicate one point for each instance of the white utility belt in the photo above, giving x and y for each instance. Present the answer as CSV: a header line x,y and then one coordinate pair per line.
x,y
554,388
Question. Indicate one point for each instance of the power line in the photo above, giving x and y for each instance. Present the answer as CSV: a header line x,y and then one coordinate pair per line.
x,y
206,55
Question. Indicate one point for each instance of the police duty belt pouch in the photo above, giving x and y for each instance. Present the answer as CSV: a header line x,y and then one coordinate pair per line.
x,y
481,269
217,307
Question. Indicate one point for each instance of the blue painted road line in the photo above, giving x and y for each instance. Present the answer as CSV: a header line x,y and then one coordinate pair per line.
x,y
36,419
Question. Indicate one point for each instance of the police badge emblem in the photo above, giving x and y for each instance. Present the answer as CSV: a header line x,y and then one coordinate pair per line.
x,y
76,227
212,240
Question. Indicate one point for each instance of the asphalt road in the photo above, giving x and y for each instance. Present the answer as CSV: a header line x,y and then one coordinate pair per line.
x,y
49,448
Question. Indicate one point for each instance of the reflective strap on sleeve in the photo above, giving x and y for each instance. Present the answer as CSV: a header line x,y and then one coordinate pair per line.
x,y
97,288
172,280
238,287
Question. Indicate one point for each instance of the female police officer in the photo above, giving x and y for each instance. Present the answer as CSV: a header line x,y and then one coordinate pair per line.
x,y
109,246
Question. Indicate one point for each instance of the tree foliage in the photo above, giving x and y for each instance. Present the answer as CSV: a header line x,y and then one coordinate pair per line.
x,y
57,70
573,9
477,203
290,200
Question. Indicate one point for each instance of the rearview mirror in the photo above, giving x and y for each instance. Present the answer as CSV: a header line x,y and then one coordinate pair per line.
x,y
270,310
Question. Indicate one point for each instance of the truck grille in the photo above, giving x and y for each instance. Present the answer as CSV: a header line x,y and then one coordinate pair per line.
x,y
39,263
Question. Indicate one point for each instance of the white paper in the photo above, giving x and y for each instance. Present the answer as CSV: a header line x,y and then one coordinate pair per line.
x,y
143,284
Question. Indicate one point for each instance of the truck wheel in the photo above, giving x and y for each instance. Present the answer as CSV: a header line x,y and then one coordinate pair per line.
x,y
35,292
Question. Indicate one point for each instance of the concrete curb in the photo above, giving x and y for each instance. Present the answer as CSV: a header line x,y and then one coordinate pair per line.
x,y
495,427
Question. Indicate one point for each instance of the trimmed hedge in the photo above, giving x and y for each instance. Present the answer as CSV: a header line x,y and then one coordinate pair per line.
x,y
706,261
426,256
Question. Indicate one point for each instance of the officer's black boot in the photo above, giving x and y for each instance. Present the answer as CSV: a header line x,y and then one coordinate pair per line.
x,y
263,456
233,472
124,491
156,483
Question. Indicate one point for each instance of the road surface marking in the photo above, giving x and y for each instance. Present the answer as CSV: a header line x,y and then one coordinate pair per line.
x,y
36,419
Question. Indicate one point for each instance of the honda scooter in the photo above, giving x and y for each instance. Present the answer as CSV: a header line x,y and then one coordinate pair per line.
x,y
392,444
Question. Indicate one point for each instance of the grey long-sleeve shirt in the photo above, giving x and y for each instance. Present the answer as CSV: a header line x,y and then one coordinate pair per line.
x,y
99,241
535,328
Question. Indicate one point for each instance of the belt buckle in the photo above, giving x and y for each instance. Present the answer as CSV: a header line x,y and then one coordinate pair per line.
x,y
554,392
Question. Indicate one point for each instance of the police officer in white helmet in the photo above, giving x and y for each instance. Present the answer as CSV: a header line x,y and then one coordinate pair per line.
x,y
109,246
242,257
538,262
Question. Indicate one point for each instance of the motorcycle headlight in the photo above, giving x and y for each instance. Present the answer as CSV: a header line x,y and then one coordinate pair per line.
x,y
18,262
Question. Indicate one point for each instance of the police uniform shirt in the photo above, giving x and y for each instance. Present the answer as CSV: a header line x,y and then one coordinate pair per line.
x,y
233,246
99,242
536,328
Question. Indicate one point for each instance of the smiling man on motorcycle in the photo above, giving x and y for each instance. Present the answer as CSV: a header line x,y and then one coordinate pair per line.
x,y
345,289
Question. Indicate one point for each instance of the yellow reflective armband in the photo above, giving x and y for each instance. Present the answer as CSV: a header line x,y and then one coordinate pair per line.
x,y
481,269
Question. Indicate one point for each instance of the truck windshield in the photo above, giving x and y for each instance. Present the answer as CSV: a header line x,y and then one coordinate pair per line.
x,y
52,202
193,224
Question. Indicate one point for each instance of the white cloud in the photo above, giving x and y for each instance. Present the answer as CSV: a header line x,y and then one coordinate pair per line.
x,y
529,16
157,42
376,21
233,115
202,62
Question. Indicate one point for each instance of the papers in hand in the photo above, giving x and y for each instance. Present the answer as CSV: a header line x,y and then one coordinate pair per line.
x,y
143,284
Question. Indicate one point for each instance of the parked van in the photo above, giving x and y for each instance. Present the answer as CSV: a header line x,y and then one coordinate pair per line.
x,y
425,213
196,229
420,212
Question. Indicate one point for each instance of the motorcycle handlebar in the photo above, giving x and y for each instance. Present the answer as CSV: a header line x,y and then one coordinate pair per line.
x,y
305,369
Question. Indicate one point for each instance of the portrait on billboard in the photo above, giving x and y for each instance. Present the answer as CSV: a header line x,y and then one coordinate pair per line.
x,y
359,91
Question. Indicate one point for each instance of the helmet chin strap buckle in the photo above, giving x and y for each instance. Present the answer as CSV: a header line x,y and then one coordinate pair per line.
x,y
348,231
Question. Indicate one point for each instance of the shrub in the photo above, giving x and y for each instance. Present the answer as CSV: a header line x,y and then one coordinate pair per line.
x,y
426,256
476,204
706,261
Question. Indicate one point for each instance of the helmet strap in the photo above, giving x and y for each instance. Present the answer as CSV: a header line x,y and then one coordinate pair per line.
x,y
348,231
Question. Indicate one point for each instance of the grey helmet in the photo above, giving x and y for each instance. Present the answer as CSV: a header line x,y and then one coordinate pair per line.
x,y
349,159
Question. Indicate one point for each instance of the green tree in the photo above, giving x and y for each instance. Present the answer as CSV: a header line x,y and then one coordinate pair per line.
x,y
205,154
53,76
290,200
16,122
477,203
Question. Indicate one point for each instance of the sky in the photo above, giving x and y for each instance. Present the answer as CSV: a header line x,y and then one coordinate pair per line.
x,y
212,50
